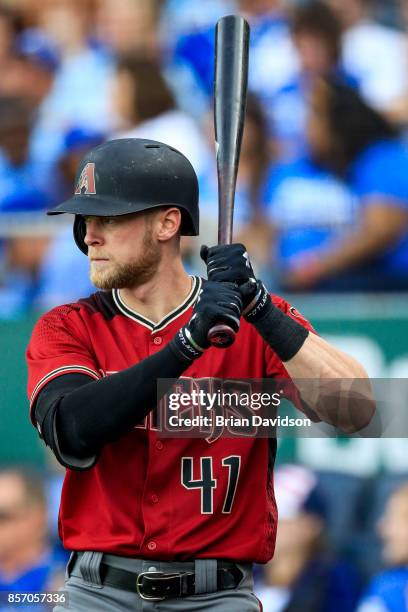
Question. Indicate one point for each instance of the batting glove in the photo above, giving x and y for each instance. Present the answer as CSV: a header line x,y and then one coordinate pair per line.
x,y
217,303
230,263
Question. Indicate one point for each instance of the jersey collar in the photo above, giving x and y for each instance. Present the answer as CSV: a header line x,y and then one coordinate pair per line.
x,y
171,316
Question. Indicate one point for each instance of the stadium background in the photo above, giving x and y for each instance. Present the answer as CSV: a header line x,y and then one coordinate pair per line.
x,y
65,86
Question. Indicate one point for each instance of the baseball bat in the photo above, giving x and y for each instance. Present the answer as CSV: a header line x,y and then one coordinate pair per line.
x,y
230,89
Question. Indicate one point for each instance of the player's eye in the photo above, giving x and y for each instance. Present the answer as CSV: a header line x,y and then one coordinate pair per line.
x,y
109,220
87,220
100,221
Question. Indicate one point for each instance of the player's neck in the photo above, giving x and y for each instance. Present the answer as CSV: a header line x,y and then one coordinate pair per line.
x,y
163,293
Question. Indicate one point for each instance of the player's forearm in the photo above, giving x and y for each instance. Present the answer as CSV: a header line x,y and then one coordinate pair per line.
x,y
102,411
319,359
333,384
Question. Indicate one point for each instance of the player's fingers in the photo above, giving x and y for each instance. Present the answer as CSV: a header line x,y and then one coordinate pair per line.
x,y
231,305
222,275
248,288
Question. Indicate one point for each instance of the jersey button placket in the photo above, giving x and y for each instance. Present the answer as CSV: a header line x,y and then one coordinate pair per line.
x,y
157,340
152,545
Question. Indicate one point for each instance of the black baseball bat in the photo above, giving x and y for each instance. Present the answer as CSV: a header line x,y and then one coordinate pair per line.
x,y
230,90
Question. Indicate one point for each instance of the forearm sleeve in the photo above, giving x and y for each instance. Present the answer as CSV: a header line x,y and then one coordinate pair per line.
x,y
77,423
284,335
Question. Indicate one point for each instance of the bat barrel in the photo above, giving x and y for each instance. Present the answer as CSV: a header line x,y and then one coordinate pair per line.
x,y
230,89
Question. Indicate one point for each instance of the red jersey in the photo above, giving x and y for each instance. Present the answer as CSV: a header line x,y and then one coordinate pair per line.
x,y
143,498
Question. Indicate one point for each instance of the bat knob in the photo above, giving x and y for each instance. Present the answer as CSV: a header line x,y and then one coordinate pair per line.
x,y
221,336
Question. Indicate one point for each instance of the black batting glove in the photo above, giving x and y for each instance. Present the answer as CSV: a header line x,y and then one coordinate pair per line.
x,y
230,263
256,302
217,303
227,263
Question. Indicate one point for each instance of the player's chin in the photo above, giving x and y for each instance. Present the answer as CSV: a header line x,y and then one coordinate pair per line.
x,y
102,279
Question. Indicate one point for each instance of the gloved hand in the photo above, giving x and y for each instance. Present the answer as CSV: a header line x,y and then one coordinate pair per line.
x,y
227,263
230,263
217,303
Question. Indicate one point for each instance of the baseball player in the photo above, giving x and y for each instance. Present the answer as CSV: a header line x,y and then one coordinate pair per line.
x,y
154,523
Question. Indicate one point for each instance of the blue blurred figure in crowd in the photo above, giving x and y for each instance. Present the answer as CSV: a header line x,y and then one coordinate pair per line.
x,y
374,53
250,226
56,284
316,33
27,560
307,206
27,189
24,239
355,236
182,16
20,172
34,45
388,592
79,94
41,61
145,107
273,57
38,254
303,576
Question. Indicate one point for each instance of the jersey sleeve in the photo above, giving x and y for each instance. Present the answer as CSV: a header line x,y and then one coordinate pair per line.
x,y
276,369
58,346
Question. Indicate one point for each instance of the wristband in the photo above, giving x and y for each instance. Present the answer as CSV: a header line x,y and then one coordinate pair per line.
x,y
258,304
284,335
183,345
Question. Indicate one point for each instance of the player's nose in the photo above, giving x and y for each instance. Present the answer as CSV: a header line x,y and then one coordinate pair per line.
x,y
93,234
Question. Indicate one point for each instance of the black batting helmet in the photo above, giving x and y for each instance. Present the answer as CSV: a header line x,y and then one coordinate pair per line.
x,y
130,175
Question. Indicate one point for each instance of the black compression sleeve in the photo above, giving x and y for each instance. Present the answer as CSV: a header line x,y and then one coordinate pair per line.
x,y
46,408
102,411
284,335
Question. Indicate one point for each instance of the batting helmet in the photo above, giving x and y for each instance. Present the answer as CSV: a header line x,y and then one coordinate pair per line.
x,y
130,175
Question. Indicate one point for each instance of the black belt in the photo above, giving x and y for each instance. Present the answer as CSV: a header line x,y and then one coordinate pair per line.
x,y
162,585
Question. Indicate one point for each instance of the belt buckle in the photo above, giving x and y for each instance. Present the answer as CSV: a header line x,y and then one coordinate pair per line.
x,y
139,585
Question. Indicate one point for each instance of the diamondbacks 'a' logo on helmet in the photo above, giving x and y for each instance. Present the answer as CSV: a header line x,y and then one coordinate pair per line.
x,y
86,182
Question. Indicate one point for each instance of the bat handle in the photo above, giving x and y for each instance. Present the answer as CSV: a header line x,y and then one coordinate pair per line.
x,y
221,336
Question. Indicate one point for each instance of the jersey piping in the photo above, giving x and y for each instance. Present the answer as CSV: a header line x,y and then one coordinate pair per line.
x,y
69,369
171,316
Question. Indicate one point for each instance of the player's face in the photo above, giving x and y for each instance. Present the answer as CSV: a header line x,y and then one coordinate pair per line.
x,y
121,250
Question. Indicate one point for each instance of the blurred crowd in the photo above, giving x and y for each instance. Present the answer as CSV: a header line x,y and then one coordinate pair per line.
x,y
321,204
318,568
322,192
320,565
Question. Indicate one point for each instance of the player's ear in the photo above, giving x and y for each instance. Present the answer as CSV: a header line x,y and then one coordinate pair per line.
x,y
169,223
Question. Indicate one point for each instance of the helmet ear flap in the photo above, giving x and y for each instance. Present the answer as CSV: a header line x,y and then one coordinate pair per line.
x,y
80,233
